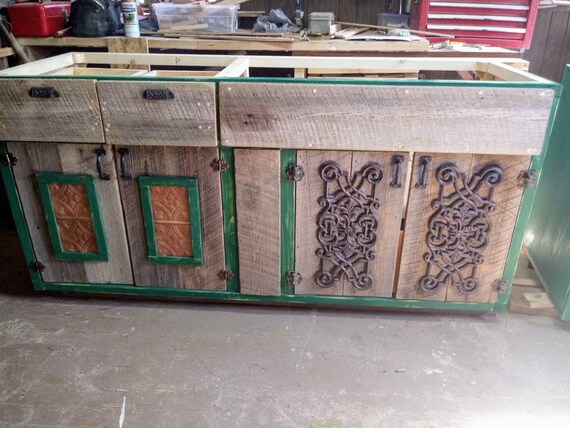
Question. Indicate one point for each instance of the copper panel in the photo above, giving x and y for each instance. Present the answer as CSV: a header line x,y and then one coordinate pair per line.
x,y
73,215
171,212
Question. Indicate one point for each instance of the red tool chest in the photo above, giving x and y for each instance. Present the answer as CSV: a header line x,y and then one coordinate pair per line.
x,y
504,23
38,19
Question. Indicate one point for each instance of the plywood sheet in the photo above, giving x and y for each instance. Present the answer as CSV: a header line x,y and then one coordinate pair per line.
x,y
443,119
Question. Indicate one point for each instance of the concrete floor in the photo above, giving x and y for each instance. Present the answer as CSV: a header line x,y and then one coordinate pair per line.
x,y
76,362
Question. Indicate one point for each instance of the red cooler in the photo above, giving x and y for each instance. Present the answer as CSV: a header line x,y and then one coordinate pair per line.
x,y
38,19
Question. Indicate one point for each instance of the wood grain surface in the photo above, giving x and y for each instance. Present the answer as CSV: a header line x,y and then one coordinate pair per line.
x,y
175,162
189,119
258,199
72,159
73,117
128,45
441,119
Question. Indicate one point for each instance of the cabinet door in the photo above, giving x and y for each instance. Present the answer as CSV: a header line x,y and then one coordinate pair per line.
x,y
74,217
461,214
348,216
173,211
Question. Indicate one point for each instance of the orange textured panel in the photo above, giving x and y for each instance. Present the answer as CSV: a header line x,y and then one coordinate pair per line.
x,y
73,216
171,211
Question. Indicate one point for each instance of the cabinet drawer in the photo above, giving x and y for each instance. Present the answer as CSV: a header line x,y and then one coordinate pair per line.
x,y
51,110
159,113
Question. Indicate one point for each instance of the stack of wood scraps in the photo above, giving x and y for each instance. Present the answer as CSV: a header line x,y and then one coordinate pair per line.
x,y
240,35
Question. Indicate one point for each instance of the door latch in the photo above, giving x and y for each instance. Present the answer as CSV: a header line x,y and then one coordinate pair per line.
x,y
37,266
293,278
219,165
526,179
226,275
8,159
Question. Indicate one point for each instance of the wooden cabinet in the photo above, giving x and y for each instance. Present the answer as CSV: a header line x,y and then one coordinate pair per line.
x,y
171,198
460,219
74,218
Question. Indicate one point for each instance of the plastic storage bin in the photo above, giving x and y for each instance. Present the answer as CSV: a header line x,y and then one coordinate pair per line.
x,y
222,19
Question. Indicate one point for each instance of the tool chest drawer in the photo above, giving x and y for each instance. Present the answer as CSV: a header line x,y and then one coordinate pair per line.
x,y
51,110
159,113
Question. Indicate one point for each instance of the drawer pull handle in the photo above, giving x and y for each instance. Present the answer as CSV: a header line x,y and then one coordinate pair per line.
x,y
43,92
424,162
123,162
100,155
158,94
397,161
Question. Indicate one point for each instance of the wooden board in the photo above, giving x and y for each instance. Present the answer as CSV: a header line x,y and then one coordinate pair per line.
x,y
175,162
72,159
128,45
519,306
308,192
188,119
506,196
72,117
399,118
258,204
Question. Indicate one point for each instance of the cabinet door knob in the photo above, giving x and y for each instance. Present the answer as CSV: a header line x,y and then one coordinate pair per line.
x,y
397,161
124,152
158,94
43,92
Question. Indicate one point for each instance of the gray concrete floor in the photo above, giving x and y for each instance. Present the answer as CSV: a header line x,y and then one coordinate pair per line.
x,y
76,362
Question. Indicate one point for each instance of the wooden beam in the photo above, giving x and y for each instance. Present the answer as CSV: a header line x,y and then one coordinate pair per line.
x,y
238,68
41,66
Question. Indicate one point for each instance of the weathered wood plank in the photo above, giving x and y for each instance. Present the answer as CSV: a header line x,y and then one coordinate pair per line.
x,y
258,198
128,45
419,211
187,119
507,196
179,162
308,192
390,215
398,118
72,159
72,117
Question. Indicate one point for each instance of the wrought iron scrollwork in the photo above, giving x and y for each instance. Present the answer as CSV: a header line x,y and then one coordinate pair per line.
x,y
347,225
460,227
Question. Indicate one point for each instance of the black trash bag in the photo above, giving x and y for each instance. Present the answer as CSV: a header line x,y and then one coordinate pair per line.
x,y
95,18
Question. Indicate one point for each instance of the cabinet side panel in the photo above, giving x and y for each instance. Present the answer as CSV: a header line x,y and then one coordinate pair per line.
x,y
258,199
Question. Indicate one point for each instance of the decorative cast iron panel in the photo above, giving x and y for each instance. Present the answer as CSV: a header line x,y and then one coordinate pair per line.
x,y
460,227
347,225
73,216
171,212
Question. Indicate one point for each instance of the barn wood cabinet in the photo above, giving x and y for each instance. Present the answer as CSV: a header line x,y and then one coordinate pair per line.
x,y
362,192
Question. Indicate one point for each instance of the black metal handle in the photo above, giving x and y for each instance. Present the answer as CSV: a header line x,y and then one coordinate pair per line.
x,y
397,161
124,152
100,155
158,94
424,162
43,92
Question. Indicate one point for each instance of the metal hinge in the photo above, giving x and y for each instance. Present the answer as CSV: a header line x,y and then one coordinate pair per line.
x,y
225,275
8,159
526,179
293,278
37,266
501,285
219,165
295,173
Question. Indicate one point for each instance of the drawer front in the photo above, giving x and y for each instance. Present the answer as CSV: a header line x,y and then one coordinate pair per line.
x,y
51,110
159,113
443,119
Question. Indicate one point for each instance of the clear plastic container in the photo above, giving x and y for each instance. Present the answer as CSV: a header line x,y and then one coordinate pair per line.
x,y
221,19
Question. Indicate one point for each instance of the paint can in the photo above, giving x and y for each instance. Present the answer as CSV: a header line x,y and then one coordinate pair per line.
x,y
130,18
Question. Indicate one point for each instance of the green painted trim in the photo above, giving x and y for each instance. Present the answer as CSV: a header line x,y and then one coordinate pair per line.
x,y
19,218
524,214
44,180
191,184
321,81
288,157
230,218
373,302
